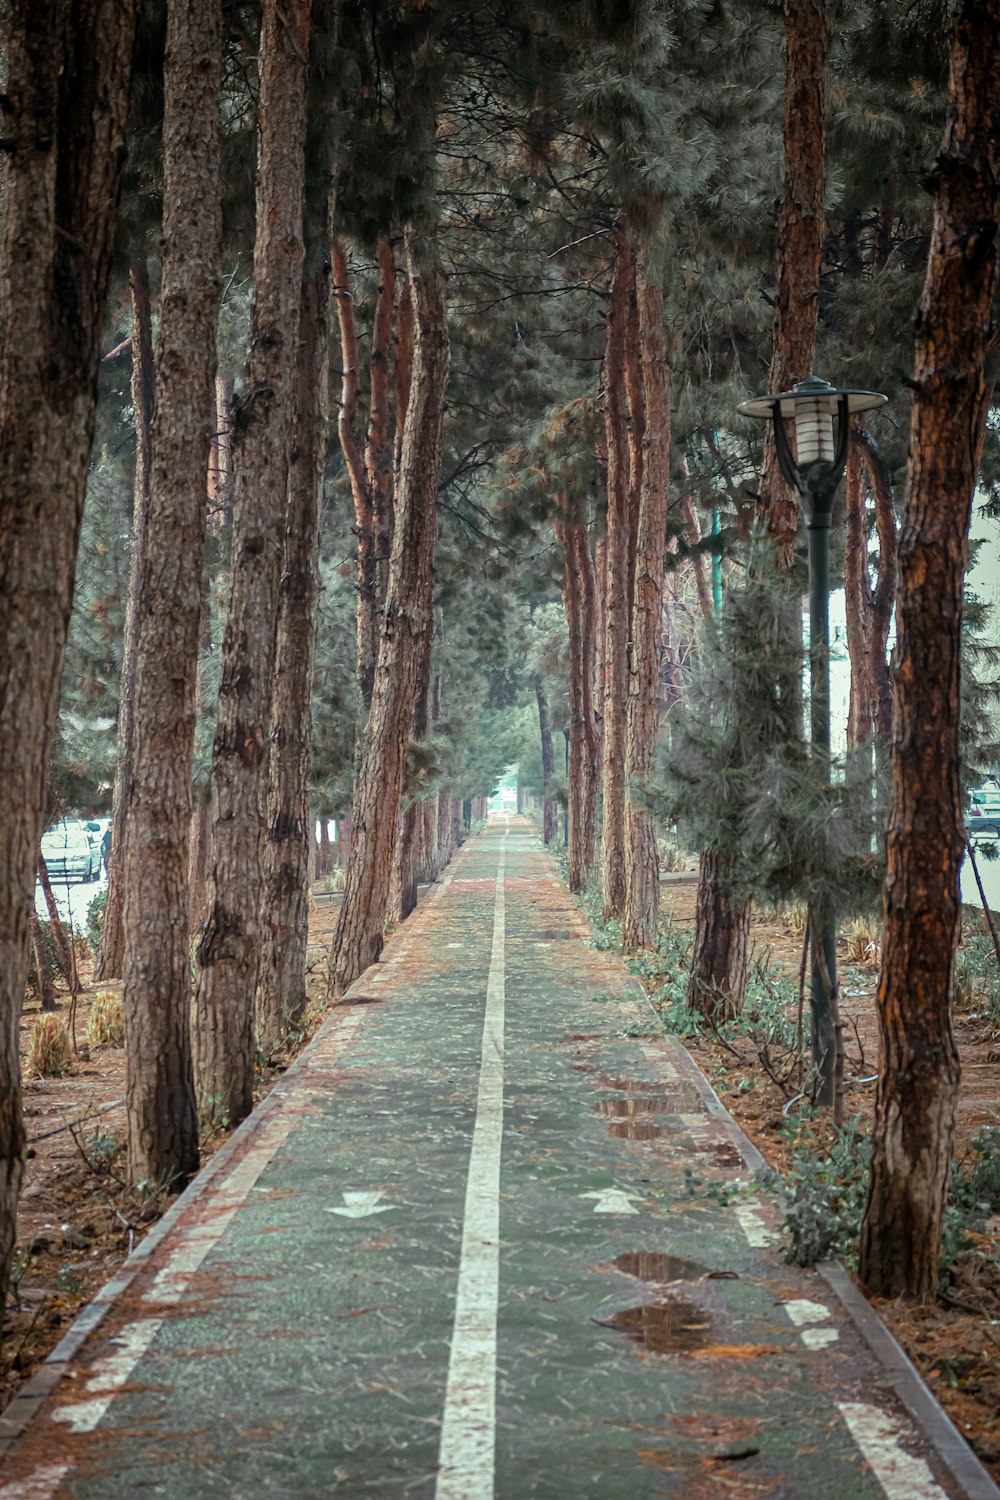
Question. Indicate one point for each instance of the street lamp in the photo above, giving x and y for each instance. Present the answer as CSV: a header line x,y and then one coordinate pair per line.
x,y
814,471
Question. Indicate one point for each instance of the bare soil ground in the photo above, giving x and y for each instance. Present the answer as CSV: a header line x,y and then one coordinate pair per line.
x,y
954,1341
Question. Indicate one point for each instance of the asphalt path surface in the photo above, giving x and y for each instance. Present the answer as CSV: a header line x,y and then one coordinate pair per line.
x,y
491,1236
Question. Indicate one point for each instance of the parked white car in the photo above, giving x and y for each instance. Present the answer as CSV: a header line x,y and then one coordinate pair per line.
x,y
71,852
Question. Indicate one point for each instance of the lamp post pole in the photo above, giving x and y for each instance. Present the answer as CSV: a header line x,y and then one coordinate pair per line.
x,y
822,918
814,470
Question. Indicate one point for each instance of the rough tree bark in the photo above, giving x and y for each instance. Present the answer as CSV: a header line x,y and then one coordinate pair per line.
x,y
160,1103
43,969
368,465
67,956
617,603
579,604
228,948
358,938
284,914
111,951
281,974
642,863
63,125
868,605
799,246
919,1068
548,761
800,229
718,978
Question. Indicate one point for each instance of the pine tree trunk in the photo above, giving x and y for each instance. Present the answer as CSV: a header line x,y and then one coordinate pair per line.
x,y
358,938
160,1102
579,591
408,856
919,1068
868,608
548,761
66,955
642,863
379,468
324,854
229,946
368,465
345,832
443,830
290,848
68,68
111,952
200,844
43,969
617,604
281,975
717,982
366,642
800,230
431,863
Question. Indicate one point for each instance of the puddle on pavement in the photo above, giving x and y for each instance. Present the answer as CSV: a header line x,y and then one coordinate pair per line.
x,y
663,1327
627,1118
652,1265
634,1130
625,1109
626,1085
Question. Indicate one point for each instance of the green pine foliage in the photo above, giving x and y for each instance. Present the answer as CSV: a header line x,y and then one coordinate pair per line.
x,y
738,779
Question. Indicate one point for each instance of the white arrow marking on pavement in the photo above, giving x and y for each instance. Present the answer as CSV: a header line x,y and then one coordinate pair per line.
x,y
360,1205
612,1201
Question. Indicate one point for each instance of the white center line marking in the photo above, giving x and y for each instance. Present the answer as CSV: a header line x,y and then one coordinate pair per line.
x,y
468,1427
901,1475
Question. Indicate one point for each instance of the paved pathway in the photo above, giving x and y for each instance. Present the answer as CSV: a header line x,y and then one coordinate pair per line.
x,y
458,1255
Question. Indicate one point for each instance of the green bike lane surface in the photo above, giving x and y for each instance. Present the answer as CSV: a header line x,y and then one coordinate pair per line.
x,y
483,1240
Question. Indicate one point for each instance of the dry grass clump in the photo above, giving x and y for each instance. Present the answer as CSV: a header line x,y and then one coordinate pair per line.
x,y
863,939
49,1052
106,1023
795,917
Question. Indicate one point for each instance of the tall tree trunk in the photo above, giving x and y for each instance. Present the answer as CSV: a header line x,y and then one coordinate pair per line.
x,y
579,603
43,969
281,977
379,464
617,605
111,952
642,863
63,943
228,949
358,938
200,847
718,977
68,67
548,761
919,1068
409,854
868,607
160,1102
800,230
366,644
368,465
324,857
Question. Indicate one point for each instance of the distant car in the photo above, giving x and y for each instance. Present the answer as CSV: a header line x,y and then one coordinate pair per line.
x,y
71,852
983,817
